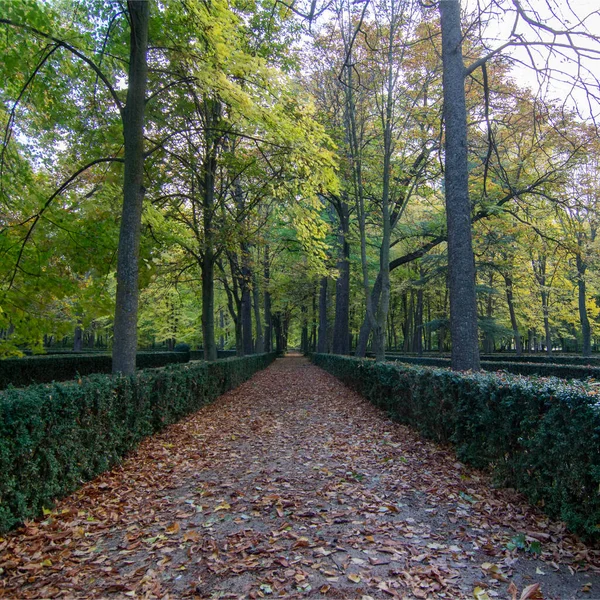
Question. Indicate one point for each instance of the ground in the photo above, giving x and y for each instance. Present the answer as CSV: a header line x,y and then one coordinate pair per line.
x,y
294,486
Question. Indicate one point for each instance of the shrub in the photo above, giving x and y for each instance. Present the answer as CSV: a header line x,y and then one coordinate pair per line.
x,y
541,436
55,436
43,369
542,368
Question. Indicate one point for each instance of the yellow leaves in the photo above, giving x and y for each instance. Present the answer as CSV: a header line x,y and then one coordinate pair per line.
x,y
223,506
354,578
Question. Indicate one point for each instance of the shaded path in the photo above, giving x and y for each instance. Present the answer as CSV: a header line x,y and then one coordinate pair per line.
x,y
292,486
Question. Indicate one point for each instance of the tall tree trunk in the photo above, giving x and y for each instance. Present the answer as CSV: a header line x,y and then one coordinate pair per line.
x,y
461,261
583,316
513,317
322,338
341,325
126,309
267,300
418,321
488,340
260,340
222,328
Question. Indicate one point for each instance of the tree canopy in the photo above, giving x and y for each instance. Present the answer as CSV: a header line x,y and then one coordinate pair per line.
x,y
260,175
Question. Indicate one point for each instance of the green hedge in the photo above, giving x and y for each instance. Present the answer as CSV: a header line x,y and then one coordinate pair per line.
x,y
199,354
563,371
60,367
55,436
541,436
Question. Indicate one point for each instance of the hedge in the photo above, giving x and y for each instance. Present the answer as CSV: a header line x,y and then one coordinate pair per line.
x,y
199,354
54,437
540,436
60,367
563,371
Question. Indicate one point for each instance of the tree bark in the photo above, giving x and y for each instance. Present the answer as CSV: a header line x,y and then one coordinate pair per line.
x,y
513,317
267,300
259,347
341,325
322,336
461,261
126,309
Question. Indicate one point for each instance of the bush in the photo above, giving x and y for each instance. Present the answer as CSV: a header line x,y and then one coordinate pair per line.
x,y
44,369
55,436
541,436
543,369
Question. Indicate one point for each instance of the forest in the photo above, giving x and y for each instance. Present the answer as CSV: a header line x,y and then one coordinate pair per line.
x,y
349,176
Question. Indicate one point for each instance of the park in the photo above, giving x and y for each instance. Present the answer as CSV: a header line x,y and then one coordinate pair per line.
x,y
299,299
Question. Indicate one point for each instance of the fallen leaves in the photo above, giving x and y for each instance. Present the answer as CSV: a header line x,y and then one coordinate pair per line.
x,y
288,486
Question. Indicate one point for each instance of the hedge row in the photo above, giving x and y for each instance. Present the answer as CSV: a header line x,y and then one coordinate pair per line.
x,y
60,367
564,371
554,359
199,354
53,437
539,436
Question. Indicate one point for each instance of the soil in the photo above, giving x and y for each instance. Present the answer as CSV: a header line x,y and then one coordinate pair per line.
x,y
294,486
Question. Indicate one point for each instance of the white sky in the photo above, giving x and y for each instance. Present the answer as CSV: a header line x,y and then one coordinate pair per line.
x,y
559,74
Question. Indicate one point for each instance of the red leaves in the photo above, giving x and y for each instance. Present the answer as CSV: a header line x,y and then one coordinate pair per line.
x,y
290,486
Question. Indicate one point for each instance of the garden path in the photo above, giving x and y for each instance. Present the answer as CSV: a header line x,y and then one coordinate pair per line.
x,y
294,486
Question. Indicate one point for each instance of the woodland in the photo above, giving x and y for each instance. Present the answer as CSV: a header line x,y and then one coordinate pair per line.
x,y
345,176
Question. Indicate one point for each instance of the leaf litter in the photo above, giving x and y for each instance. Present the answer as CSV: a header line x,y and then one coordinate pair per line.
x,y
294,486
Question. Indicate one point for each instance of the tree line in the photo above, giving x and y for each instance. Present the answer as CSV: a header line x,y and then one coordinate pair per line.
x,y
344,176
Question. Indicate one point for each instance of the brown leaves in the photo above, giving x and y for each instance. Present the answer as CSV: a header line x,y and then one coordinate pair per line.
x,y
289,486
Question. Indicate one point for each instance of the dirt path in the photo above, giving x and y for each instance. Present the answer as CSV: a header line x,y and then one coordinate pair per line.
x,y
293,486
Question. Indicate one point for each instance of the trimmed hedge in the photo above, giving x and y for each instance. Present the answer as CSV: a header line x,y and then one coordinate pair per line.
x,y
54,437
199,354
541,436
563,371
60,367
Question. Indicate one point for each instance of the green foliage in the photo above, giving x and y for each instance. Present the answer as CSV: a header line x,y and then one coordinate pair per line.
x,y
541,436
44,369
53,437
564,368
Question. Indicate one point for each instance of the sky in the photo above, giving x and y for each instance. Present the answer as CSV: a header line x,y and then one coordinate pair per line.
x,y
561,74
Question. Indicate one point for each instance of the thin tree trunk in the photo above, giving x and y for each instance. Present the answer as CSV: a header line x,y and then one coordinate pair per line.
x,y
260,340
126,308
267,300
583,316
513,317
461,261
322,340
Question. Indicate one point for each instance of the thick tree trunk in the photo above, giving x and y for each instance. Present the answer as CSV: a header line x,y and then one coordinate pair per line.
x,y
126,309
365,328
513,317
461,261
322,336
78,339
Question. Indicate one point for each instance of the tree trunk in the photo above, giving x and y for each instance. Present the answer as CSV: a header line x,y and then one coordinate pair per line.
x,y
78,338
513,317
260,340
461,261
126,308
341,326
583,316
267,300
322,338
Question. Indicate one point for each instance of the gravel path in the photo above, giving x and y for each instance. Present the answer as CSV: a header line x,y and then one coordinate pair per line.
x,y
294,486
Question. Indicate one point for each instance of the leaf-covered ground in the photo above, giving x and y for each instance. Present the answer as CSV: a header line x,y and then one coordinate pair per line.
x,y
294,486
